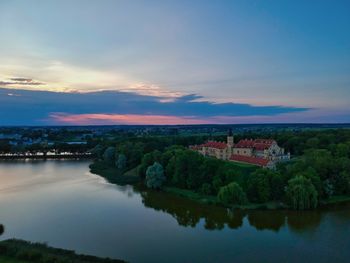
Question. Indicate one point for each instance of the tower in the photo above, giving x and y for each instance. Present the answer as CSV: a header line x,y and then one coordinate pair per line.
x,y
230,142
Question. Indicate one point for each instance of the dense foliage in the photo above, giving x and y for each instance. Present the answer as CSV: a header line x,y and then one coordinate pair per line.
x,y
301,193
155,176
321,158
232,194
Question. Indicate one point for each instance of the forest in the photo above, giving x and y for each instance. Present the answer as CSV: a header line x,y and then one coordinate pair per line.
x,y
319,171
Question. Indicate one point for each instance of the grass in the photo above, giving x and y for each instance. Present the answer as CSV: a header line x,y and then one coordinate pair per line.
x,y
212,200
132,172
114,175
336,199
19,251
203,199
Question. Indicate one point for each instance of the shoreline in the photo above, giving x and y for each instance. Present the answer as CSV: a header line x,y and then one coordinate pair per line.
x,y
40,157
20,251
113,175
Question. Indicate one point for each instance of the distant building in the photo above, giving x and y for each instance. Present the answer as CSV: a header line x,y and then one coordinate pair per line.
x,y
261,152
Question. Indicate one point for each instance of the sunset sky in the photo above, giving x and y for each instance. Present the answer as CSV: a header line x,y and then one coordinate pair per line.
x,y
174,62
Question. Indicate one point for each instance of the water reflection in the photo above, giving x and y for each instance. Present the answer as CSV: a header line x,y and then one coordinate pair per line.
x,y
188,214
63,204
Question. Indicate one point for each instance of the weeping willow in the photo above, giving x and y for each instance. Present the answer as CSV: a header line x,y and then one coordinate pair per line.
x,y
301,193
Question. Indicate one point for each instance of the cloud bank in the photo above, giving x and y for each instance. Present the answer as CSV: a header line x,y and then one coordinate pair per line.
x,y
28,107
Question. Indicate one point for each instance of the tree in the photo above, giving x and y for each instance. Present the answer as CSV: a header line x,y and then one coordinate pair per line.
x,y
301,193
342,150
232,194
342,183
121,161
155,176
258,186
217,183
109,154
277,184
97,151
2,229
206,189
321,160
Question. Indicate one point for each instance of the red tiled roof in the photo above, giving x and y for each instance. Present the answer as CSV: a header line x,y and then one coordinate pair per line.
x,y
249,159
261,146
266,141
258,144
217,145
245,144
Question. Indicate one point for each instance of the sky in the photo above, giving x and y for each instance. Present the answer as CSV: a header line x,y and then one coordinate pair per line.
x,y
174,62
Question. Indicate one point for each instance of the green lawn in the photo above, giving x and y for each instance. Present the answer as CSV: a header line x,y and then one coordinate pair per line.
x,y
336,199
203,199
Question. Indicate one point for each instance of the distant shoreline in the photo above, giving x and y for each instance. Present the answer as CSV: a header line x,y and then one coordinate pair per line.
x,y
47,157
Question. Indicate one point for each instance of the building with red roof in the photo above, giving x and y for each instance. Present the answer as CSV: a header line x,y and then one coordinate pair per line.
x,y
261,152
252,160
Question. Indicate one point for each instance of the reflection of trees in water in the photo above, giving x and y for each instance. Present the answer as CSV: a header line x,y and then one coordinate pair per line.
x,y
304,221
262,219
189,213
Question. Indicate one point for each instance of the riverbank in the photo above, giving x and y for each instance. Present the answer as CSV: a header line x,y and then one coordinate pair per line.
x,y
212,200
113,175
19,251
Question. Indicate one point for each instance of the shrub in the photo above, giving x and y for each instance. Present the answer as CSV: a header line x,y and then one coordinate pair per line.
x,y
155,176
301,193
232,194
206,189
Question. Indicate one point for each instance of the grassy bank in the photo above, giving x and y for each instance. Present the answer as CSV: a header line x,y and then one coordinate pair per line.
x,y
114,175
203,199
336,199
19,251
212,200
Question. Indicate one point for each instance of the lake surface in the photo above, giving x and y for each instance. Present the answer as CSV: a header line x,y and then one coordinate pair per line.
x,y
61,203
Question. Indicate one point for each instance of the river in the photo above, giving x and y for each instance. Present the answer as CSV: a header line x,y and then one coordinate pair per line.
x,y
60,202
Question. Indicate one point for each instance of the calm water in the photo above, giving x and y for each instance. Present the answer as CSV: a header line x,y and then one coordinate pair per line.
x,y
61,203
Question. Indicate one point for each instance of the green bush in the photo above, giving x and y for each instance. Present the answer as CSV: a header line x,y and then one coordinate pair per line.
x,y
301,193
206,189
155,176
232,194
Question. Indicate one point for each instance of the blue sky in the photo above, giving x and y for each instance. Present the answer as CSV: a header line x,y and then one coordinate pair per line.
x,y
284,61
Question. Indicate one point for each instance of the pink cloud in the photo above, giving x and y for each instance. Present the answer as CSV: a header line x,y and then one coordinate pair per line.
x,y
99,119
314,116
